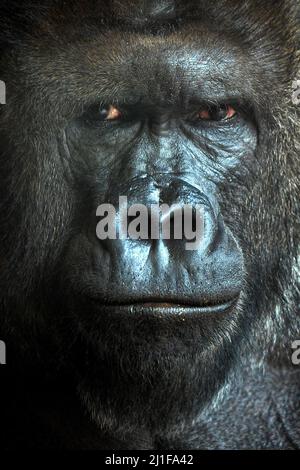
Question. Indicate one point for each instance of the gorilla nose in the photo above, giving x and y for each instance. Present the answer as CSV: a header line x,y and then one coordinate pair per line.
x,y
160,125
167,209
201,263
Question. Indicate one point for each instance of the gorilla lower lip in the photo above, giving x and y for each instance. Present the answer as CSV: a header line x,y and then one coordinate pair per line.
x,y
173,308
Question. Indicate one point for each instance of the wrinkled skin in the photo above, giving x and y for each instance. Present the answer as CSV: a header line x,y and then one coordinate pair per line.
x,y
142,344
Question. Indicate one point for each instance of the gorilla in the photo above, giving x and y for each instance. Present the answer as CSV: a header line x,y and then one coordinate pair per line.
x,y
134,343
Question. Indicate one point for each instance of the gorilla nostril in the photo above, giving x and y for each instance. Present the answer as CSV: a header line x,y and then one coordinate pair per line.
x,y
166,209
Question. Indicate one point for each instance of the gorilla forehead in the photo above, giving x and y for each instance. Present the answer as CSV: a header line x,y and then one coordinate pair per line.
x,y
160,69
190,65
65,45
197,55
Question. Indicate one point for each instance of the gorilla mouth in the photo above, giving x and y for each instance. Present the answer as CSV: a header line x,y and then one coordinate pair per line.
x,y
174,308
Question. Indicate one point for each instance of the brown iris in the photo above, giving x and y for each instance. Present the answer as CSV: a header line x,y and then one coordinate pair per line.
x,y
110,114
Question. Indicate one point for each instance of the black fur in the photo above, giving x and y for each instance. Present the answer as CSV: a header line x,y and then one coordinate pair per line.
x,y
127,387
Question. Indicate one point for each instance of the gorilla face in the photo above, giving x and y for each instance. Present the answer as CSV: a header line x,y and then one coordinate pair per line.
x,y
161,111
167,144
171,134
170,146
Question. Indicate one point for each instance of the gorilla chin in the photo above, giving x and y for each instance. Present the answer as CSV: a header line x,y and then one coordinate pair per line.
x,y
130,355
131,351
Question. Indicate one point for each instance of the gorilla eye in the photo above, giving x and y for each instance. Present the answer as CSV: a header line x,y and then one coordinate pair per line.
x,y
110,113
217,113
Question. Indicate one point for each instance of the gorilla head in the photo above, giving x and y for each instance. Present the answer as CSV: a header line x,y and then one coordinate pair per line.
x,y
164,102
